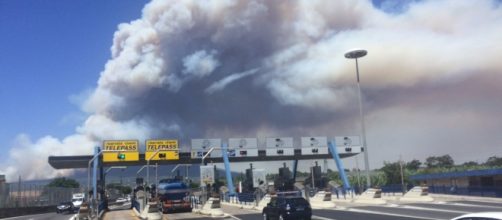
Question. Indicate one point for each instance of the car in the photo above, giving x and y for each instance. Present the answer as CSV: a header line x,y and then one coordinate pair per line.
x,y
65,207
122,200
287,207
481,216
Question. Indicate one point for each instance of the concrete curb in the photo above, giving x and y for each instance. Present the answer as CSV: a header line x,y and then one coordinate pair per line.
x,y
465,197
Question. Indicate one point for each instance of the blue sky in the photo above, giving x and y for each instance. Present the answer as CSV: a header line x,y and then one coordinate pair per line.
x,y
51,50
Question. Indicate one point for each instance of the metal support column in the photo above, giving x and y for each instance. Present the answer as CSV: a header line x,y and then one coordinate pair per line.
x,y
339,164
102,182
94,174
228,172
295,167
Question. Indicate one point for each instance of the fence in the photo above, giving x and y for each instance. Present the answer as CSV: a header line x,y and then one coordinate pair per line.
x,y
488,191
15,195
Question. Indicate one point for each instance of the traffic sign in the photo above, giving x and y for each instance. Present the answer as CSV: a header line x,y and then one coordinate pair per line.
x,y
242,147
123,150
206,175
280,146
314,145
201,146
168,149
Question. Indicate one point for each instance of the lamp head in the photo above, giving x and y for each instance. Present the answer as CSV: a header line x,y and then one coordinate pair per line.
x,y
355,53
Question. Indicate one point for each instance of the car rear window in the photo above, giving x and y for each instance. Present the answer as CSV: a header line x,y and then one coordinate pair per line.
x,y
297,201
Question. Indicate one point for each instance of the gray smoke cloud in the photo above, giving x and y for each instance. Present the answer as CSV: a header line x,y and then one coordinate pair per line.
x,y
190,69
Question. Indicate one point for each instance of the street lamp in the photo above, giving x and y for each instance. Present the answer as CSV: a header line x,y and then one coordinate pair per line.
x,y
355,54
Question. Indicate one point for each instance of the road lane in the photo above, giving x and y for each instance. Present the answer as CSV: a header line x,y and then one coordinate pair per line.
x,y
46,216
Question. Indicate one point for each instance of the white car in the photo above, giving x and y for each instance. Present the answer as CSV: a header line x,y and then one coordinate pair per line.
x,y
481,216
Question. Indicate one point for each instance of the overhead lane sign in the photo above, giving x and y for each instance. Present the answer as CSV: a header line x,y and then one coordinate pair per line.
x,y
168,149
122,150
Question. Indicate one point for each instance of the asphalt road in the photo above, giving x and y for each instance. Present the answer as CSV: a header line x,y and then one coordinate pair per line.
x,y
47,216
408,211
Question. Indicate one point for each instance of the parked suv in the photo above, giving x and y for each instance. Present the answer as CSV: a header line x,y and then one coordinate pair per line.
x,y
292,207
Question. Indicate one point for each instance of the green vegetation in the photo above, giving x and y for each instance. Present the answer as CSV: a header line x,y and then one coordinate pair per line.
x,y
63,182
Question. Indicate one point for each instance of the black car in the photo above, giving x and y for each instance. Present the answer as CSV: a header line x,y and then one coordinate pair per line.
x,y
65,207
287,208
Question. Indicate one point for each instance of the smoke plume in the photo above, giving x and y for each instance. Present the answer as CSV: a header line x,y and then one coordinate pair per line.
x,y
191,69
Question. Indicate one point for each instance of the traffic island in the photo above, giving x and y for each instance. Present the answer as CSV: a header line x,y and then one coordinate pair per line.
x,y
151,212
322,199
417,194
263,202
371,196
212,208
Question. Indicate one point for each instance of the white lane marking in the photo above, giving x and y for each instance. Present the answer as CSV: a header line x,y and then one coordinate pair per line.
x,y
321,218
24,216
433,209
475,205
391,214
231,216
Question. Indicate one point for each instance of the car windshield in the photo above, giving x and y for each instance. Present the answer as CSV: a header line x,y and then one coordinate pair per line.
x,y
77,200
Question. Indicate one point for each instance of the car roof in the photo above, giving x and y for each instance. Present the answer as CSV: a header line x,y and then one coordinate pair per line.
x,y
497,215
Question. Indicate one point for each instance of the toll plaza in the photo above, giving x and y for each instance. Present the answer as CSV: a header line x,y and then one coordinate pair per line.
x,y
233,150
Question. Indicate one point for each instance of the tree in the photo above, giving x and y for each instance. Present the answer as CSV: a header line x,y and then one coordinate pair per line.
x,y
64,183
470,164
444,161
494,161
413,165
392,172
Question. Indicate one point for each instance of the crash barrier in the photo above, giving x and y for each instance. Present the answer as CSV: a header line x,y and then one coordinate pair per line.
x,y
11,212
16,195
485,191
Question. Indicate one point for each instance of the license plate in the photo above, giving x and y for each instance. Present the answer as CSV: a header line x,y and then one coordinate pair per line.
x,y
299,209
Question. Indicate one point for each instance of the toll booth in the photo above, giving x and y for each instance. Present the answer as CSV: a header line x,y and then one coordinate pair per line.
x,y
284,181
247,184
316,179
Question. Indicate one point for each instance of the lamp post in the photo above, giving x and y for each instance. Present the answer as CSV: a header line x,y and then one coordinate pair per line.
x,y
148,166
355,54
205,155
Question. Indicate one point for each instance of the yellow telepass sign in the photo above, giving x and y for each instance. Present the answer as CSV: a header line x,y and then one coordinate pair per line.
x,y
168,149
124,150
